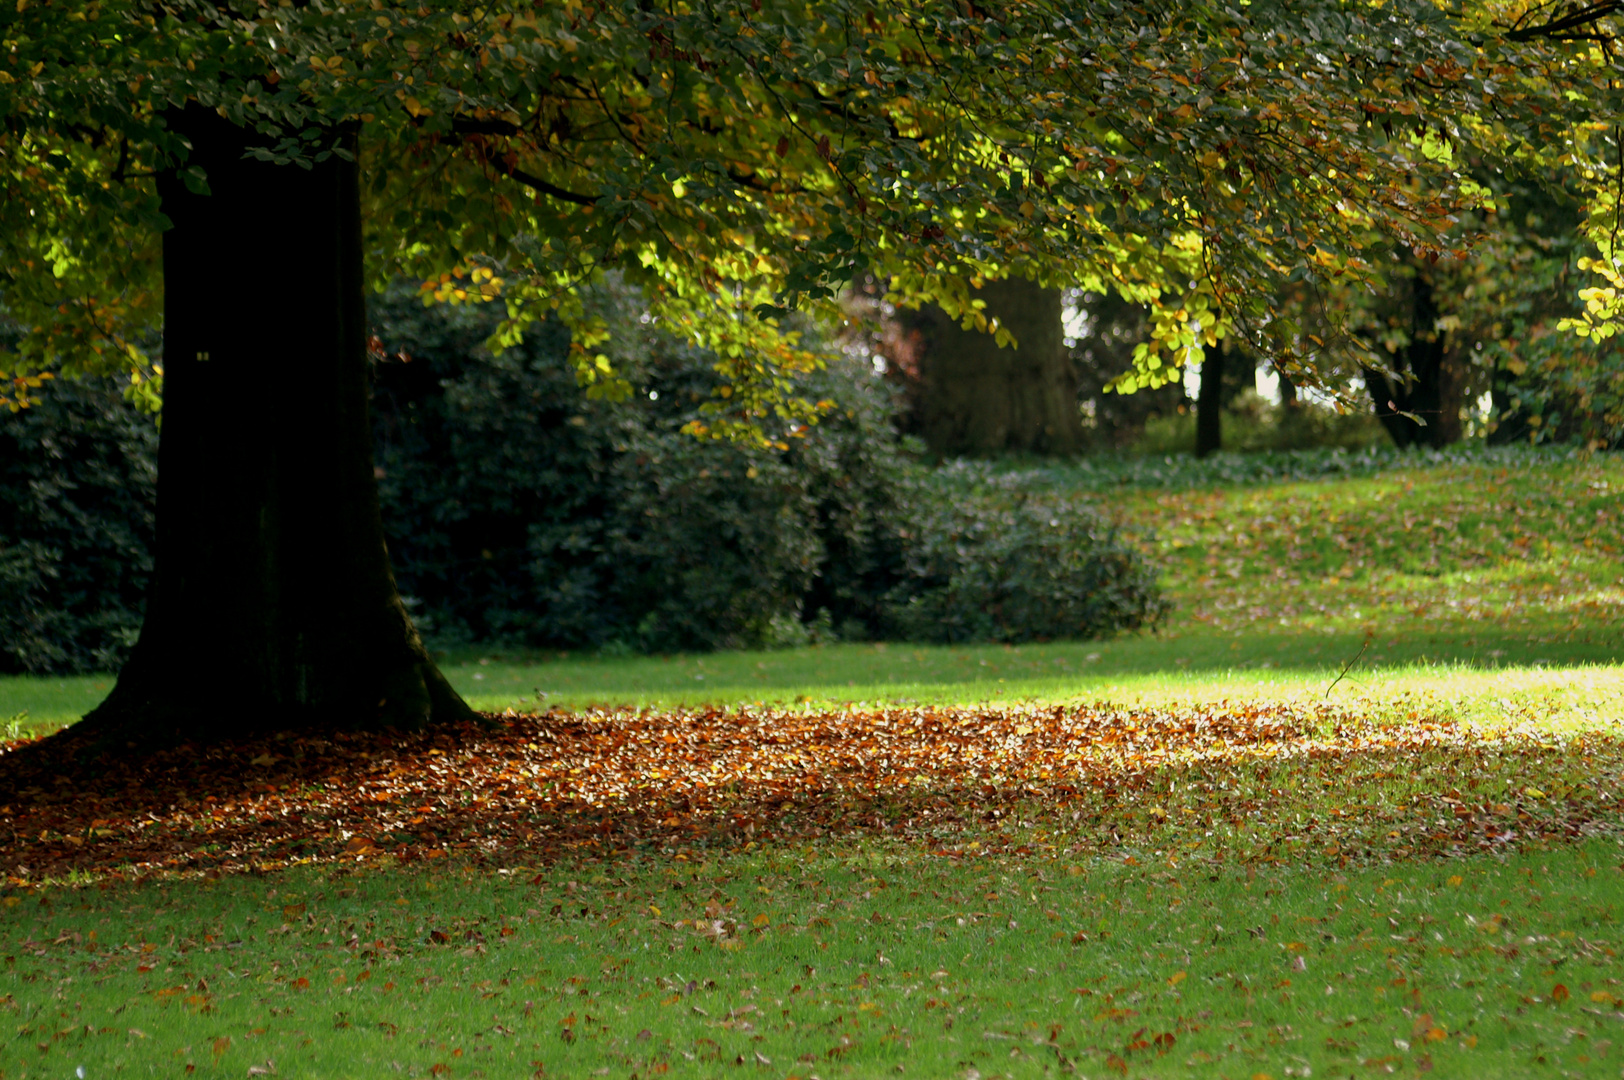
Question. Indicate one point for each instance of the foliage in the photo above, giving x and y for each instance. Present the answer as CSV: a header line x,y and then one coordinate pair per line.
x,y
748,156
1005,566
1549,383
77,486
523,510
520,509
1502,318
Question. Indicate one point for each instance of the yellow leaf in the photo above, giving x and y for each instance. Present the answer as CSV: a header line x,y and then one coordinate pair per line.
x,y
654,911
1177,977
759,920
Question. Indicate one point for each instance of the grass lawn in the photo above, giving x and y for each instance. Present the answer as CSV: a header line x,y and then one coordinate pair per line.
x,y
1185,854
832,960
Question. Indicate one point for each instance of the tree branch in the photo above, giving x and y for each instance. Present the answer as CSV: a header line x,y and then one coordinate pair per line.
x,y
536,183
1574,24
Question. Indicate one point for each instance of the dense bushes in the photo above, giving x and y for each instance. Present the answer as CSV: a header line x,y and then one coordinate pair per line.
x,y
77,477
518,511
1018,570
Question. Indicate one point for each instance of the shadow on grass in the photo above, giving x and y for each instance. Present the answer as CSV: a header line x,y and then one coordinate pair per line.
x,y
1224,783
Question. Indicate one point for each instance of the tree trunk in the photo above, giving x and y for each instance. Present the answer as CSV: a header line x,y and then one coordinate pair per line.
x,y
1209,403
1288,390
273,604
1430,384
976,398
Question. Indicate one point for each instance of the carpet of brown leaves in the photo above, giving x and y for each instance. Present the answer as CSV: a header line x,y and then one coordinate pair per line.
x,y
1221,782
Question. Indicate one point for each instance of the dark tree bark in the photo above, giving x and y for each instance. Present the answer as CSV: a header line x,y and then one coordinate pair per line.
x,y
273,604
1430,382
1288,390
976,398
1209,403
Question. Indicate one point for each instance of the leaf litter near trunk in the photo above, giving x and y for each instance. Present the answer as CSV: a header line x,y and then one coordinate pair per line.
x,y
1223,783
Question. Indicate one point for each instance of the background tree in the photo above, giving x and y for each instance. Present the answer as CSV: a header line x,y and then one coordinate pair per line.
x,y
1107,330
731,158
975,396
1419,397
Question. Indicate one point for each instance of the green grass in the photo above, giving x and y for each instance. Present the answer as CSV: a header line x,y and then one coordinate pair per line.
x,y
838,959
1480,587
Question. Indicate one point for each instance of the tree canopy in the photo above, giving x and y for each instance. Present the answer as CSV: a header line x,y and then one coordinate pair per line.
x,y
748,157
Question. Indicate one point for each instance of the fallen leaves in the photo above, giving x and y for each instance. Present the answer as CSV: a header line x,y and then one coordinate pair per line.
x,y
1248,782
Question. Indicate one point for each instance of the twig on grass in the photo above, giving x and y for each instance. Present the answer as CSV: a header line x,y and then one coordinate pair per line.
x,y
1348,666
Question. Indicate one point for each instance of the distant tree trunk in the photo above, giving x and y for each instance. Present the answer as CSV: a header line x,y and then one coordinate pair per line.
x,y
1288,390
1431,380
976,398
273,604
1209,403
1510,423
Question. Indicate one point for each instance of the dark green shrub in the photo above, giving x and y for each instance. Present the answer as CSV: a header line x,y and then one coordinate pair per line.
x,y
519,511
1017,568
78,473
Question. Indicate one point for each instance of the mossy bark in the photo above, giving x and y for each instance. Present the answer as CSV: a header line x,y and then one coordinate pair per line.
x,y
273,604
975,398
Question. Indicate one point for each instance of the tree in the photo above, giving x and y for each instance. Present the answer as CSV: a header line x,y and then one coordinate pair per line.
x,y
1209,403
1419,399
734,159
273,590
975,396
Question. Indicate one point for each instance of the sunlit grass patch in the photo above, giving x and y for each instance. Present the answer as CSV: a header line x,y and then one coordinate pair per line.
x,y
1499,545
